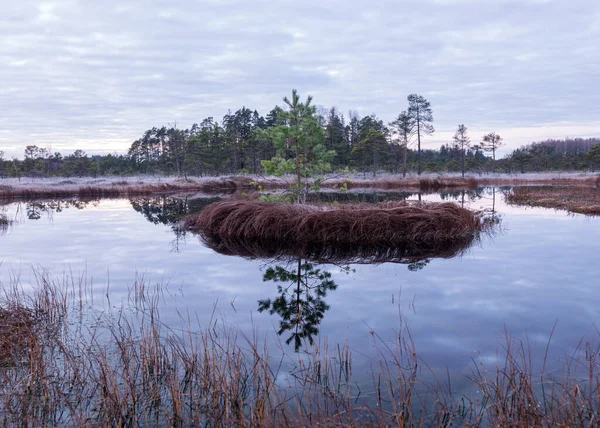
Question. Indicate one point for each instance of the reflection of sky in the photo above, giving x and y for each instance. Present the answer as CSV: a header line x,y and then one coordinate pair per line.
x,y
539,270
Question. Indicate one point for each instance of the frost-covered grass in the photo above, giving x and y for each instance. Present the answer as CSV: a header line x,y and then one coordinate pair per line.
x,y
148,185
116,186
435,182
574,199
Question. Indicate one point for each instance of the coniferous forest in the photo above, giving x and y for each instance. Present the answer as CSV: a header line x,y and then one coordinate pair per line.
x,y
239,142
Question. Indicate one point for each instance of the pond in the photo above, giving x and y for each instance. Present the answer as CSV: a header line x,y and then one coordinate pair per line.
x,y
534,277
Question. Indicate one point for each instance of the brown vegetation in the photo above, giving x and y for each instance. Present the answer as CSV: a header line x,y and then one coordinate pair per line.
x,y
130,369
124,188
574,199
16,333
393,231
442,183
101,188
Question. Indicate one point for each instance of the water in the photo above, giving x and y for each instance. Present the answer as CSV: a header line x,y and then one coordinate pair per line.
x,y
539,270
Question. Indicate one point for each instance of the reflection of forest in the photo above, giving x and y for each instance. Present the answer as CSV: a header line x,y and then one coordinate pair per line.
x,y
169,210
463,195
355,197
34,210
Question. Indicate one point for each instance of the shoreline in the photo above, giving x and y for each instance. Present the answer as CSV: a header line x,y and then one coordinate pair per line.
x,y
111,187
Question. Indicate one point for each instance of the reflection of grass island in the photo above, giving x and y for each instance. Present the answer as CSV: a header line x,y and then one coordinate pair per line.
x,y
394,231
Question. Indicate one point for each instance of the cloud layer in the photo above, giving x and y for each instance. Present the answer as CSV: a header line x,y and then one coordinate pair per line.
x,y
95,75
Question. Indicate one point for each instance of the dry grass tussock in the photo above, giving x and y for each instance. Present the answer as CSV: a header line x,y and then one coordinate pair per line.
x,y
392,231
573,199
17,324
128,368
122,188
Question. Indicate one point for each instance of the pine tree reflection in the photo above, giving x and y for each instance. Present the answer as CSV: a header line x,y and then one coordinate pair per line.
x,y
301,299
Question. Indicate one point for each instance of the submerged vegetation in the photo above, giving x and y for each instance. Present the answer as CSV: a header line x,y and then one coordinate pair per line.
x,y
573,199
128,368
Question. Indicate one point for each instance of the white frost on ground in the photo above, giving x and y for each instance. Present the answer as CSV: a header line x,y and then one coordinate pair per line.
x,y
73,183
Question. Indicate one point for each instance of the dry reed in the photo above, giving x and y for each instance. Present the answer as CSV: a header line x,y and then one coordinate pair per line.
x,y
16,331
574,199
130,369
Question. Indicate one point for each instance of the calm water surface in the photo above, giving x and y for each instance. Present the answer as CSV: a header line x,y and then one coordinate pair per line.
x,y
541,268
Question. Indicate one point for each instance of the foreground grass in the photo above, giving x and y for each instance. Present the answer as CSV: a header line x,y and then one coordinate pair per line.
x,y
127,368
573,199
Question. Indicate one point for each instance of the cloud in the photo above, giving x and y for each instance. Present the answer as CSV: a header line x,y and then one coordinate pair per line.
x,y
95,75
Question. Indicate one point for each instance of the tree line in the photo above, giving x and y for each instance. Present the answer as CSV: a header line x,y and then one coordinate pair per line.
x,y
248,143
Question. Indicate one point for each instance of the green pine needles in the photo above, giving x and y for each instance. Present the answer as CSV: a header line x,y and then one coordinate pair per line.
x,y
299,139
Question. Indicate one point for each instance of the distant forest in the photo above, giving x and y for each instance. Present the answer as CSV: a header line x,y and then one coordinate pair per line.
x,y
237,145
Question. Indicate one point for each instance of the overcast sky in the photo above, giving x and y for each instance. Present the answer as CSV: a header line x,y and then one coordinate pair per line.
x,y
94,75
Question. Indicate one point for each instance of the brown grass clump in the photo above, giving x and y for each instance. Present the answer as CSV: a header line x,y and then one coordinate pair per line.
x,y
574,199
391,231
16,333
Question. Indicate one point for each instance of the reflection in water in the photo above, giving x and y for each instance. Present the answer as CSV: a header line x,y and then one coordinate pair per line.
x,y
471,195
34,210
359,197
169,210
4,223
405,253
300,303
302,285
301,281
301,299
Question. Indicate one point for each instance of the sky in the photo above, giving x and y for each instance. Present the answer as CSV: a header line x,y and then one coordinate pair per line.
x,y
93,75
